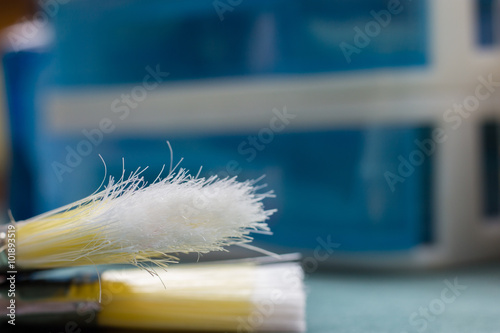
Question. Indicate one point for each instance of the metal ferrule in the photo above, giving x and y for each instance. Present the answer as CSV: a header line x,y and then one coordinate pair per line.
x,y
50,313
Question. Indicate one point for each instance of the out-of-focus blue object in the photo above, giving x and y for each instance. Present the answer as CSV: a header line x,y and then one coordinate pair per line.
x,y
488,28
109,42
22,71
324,181
327,182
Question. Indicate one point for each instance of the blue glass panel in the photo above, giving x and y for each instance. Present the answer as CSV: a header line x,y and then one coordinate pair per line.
x,y
327,183
108,42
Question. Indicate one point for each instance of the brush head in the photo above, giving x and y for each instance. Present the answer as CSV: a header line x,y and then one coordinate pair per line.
x,y
221,297
130,222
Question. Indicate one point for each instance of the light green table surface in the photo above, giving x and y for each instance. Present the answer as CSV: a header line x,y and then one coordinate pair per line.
x,y
375,302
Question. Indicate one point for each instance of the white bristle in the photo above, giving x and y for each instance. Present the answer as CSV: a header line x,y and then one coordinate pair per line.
x,y
239,297
183,214
279,299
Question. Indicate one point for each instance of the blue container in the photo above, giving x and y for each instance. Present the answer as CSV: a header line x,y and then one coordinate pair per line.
x,y
327,182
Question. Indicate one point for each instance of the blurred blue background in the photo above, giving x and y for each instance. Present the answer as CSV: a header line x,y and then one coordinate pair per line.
x,y
75,74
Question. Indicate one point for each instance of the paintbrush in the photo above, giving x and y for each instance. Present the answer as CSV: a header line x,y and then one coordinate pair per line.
x,y
133,222
238,296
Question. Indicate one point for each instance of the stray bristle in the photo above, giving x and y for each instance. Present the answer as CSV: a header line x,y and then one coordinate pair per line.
x,y
130,222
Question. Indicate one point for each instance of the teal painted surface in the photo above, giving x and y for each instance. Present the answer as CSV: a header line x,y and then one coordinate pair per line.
x,y
352,303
